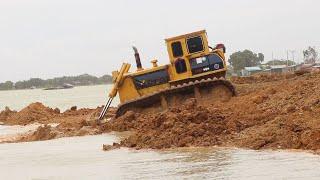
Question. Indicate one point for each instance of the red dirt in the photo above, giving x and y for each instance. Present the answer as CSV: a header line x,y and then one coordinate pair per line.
x,y
4,115
188,125
72,122
42,133
48,132
262,77
35,112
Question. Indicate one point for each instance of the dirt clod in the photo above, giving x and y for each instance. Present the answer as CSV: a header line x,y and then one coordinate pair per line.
x,y
73,108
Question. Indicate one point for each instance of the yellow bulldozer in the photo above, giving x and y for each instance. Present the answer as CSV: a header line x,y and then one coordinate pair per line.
x,y
196,70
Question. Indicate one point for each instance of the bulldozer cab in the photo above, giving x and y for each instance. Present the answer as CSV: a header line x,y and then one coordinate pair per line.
x,y
190,55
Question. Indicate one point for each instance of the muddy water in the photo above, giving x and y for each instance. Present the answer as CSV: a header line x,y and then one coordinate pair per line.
x,y
83,96
82,157
11,130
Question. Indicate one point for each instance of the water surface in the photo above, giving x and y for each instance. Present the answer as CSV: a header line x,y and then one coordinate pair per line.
x,y
82,96
82,158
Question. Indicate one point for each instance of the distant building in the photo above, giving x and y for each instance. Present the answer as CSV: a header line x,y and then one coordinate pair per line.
x,y
308,67
278,69
292,68
267,71
316,66
248,71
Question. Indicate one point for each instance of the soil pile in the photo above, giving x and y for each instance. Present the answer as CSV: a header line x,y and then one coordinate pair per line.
x,y
35,112
4,115
187,125
48,132
287,115
45,132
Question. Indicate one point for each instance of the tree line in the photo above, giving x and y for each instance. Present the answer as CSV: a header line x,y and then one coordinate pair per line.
x,y
81,80
241,59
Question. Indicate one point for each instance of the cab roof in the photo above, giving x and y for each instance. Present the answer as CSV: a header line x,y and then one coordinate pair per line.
x,y
185,35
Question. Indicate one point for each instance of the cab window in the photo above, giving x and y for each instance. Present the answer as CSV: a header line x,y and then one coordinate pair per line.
x,y
180,65
177,49
195,44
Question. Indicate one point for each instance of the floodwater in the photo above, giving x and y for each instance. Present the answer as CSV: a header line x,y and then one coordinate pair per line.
x,y
82,97
83,158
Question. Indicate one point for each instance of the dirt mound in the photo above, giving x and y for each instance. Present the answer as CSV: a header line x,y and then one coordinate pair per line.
x,y
187,125
41,134
4,115
47,132
280,114
35,112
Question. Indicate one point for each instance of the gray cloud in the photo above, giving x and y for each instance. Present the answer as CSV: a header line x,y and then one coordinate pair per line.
x,y
46,38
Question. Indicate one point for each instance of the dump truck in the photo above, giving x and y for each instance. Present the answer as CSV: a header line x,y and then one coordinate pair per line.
x,y
195,70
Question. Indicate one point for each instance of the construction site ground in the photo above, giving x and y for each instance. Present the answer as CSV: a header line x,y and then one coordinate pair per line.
x,y
269,112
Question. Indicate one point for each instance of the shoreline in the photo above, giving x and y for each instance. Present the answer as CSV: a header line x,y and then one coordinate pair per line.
x,y
42,88
12,140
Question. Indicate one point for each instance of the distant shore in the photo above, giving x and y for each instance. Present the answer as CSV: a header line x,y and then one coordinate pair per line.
x,y
37,83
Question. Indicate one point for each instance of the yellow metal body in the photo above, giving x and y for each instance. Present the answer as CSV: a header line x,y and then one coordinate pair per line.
x,y
124,81
182,40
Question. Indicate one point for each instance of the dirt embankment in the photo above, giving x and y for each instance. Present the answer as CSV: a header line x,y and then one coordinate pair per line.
x,y
37,112
282,114
187,125
262,77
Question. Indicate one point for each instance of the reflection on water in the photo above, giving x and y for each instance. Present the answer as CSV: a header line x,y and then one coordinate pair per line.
x,y
82,158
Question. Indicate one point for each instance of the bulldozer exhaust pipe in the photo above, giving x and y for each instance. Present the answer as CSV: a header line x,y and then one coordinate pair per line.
x,y
137,57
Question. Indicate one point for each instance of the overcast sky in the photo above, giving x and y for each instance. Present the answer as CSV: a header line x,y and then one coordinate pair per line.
x,y
50,38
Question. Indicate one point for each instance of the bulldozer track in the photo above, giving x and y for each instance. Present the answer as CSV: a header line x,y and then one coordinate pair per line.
x,y
149,100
